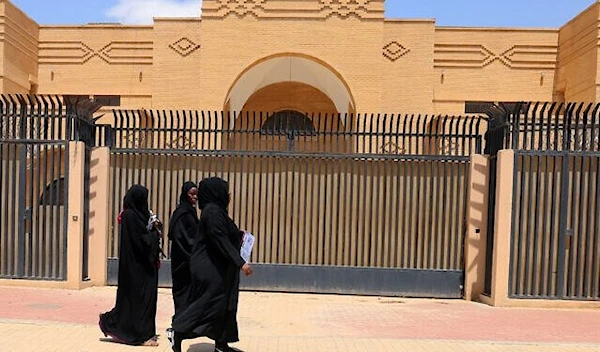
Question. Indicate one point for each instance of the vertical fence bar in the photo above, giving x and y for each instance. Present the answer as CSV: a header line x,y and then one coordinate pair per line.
x,y
578,225
563,226
596,234
587,259
544,267
527,265
62,223
4,220
554,226
535,235
514,277
21,239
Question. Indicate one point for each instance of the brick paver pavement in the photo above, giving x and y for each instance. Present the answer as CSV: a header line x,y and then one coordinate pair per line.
x,y
58,320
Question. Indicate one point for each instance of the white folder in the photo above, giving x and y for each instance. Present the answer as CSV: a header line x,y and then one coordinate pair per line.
x,y
247,244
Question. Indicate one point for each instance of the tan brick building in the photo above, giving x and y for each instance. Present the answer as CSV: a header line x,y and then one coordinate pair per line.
x,y
375,202
306,55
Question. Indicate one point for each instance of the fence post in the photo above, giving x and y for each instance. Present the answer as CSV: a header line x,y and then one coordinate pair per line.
x,y
502,227
75,215
99,220
476,236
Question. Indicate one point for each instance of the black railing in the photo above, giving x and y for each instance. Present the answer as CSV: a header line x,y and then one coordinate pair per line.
x,y
521,126
317,133
105,135
47,118
32,118
555,126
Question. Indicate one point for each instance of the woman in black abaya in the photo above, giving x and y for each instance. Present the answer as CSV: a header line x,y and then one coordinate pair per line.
x,y
215,266
182,229
132,320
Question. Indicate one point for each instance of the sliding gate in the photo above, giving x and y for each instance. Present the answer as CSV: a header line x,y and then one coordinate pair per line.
x,y
333,209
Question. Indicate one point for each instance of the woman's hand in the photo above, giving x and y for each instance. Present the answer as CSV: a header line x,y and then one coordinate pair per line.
x,y
247,269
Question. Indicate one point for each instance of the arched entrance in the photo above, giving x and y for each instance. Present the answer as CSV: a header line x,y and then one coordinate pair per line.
x,y
290,85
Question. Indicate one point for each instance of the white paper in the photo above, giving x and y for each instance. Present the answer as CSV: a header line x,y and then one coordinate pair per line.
x,y
247,244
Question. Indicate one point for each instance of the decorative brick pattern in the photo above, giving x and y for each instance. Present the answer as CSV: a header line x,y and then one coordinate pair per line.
x,y
404,65
394,50
363,9
184,46
113,53
393,148
181,142
538,57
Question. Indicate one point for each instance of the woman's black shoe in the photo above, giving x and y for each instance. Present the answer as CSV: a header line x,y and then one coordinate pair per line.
x,y
175,341
223,347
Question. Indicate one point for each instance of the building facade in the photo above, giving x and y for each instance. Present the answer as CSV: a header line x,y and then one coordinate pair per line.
x,y
305,55
350,163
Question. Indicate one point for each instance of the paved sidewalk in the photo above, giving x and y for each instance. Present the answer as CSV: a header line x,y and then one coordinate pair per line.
x,y
58,320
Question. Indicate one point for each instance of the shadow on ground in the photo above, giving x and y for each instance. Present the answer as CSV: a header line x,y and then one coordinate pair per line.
x,y
205,347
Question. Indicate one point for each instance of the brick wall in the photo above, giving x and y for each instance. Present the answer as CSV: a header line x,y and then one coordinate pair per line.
x,y
577,74
408,66
19,50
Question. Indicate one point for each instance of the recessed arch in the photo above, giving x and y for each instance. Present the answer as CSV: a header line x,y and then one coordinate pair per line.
x,y
290,67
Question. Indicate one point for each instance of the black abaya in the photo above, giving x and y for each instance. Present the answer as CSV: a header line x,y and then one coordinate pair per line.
x,y
182,229
132,320
215,266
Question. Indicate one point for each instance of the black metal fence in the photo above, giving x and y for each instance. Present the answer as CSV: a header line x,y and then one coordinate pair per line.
x,y
292,132
34,164
47,118
556,226
376,195
391,210
549,126
555,233
33,211
33,185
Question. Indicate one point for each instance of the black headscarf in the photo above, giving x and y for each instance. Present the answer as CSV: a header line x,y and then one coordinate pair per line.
x,y
183,197
184,207
213,190
136,200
